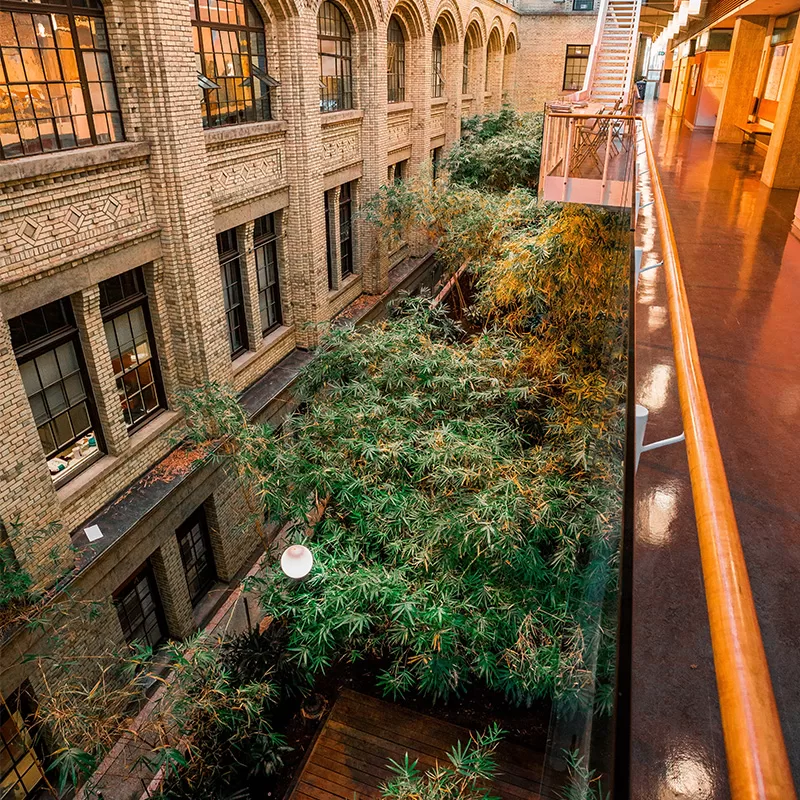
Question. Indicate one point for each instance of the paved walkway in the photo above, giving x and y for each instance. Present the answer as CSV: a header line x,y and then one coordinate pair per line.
x,y
350,757
741,266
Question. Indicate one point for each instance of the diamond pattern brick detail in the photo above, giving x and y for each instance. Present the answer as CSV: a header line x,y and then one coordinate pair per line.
x,y
73,219
29,230
112,207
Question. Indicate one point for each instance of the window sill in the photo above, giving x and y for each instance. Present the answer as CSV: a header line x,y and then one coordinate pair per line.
x,y
234,133
343,286
466,97
88,478
396,108
438,101
268,342
27,167
335,117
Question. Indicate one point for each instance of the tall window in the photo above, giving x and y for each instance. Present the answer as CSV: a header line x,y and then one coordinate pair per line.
x,y
465,68
265,244
20,768
437,76
56,82
329,243
228,249
198,563
231,55
346,228
48,351
335,59
436,161
575,66
126,318
139,609
395,62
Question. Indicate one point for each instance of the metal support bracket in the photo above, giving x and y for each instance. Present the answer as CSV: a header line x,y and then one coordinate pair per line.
x,y
642,415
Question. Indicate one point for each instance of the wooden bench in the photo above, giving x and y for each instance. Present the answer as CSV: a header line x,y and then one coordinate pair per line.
x,y
752,130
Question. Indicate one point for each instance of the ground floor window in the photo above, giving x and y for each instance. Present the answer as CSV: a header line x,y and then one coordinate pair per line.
x,y
139,609
20,769
575,66
198,563
233,296
436,161
340,252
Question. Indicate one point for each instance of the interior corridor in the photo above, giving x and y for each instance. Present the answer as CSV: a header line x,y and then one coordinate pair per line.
x,y
741,266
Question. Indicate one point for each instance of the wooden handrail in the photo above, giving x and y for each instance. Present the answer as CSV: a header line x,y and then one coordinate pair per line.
x,y
758,766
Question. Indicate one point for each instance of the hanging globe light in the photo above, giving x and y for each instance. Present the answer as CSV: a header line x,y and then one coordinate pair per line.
x,y
296,561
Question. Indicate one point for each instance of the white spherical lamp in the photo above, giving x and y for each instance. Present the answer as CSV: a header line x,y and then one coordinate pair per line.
x,y
296,561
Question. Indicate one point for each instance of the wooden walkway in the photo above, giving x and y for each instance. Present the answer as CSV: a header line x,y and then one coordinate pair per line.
x,y
349,760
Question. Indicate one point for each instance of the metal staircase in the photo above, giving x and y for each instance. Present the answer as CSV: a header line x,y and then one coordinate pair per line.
x,y
609,77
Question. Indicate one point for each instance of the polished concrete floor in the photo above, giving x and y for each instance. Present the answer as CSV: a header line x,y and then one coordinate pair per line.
x,y
741,266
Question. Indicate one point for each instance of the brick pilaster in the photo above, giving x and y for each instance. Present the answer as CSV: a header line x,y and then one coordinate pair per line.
x,y
172,588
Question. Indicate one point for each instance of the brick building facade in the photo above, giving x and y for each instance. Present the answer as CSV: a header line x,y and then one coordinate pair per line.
x,y
180,182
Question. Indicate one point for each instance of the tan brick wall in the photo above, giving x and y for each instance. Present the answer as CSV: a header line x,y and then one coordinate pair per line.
x,y
71,219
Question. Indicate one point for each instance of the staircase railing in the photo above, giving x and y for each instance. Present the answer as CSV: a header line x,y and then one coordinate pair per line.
x,y
591,67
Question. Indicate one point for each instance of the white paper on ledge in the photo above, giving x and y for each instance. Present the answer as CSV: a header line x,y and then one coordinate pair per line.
x,y
93,533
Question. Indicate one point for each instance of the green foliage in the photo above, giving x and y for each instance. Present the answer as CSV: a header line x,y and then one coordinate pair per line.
x,y
470,765
16,583
582,783
498,152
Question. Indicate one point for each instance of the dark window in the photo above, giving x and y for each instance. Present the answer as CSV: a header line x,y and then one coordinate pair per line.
x,y
231,55
583,5
436,161
20,768
196,555
56,81
48,351
346,228
139,609
126,318
400,170
395,62
329,243
335,59
265,244
228,249
465,68
575,66
437,75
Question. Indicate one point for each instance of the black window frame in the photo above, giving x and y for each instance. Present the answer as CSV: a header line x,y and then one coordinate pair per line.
x,y
583,5
16,722
133,296
395,61
266,233
346,238
329,243
197,557
230,263
337,94
437,68
89,51
51,340
570,61
251,39
465,68
436,160
144,574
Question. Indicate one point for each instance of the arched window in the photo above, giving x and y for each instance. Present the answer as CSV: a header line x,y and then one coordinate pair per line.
x,y
56,82
231,53
465,72
437,76
335,59
395,62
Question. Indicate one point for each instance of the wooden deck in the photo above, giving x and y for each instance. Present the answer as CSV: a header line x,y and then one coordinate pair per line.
x,y
349,760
